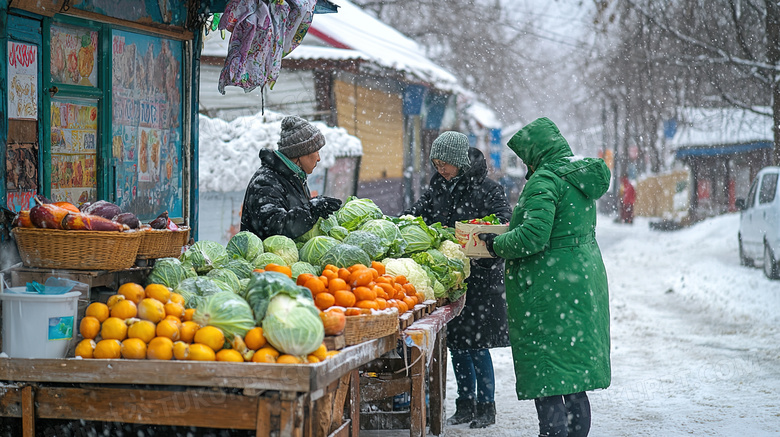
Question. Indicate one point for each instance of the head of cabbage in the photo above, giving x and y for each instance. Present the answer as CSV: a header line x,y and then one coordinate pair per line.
x,y
370,243
283,246
205,255
227,311
169,272
244,245
312,250
292,325
356,211
345,255
417,234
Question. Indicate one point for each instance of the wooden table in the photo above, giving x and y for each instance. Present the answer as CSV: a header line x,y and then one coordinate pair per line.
x,y
271,399
424,353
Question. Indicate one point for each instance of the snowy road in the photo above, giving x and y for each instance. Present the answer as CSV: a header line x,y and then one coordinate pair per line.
x,y
695,341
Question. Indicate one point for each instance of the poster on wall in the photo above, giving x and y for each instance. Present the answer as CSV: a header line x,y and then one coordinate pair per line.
x,y
73,150
22,81
147,127
21,169
74,55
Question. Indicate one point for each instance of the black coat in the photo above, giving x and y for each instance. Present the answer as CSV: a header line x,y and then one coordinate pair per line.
x,y
483,322
276,201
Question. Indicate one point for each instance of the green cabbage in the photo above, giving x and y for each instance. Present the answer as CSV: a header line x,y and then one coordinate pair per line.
x,y
453,251
417,234
245,245
226,277
293,326
312,251
264,286
169,272
311,233
282,246
338,232
303,267
345,255
228,312
241,267
268,258
194,289
389,233
369,242
244,283
356,211
205,255
449,272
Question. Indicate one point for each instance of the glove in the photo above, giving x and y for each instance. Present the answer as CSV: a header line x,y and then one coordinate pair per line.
x,y
323,206
488,239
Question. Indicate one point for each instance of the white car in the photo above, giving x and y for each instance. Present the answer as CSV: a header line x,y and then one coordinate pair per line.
x,y
759,223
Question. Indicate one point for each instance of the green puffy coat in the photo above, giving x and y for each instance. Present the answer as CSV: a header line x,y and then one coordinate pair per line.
x,y
556,284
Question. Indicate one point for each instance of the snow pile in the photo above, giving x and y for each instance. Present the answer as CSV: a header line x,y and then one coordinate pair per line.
x,y
229,151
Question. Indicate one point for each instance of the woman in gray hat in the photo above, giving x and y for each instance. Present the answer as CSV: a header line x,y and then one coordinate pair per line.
x,y
277,199
461,190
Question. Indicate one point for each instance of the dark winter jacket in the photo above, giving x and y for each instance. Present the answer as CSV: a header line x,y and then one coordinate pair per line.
x,y
482,324
276,201
556,284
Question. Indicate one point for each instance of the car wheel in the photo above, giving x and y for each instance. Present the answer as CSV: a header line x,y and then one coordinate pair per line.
x,y
743,259
770,265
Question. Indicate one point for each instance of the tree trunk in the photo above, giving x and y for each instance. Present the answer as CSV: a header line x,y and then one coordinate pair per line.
x,y
773,56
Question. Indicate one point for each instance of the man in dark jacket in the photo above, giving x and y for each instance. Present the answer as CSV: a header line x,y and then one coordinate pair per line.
x,y
277,200
460,190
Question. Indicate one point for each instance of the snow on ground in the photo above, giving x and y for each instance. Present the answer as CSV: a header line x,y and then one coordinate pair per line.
x,y
694,340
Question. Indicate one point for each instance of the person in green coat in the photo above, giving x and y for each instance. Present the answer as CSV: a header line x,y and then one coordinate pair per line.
x,y
556,283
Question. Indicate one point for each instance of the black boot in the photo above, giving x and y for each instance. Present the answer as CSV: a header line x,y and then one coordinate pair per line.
x,y
486,415
465,410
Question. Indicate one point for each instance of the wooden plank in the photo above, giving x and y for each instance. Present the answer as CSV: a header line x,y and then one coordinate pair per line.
x,y
405,319
291,415
10,401
263,420
437,383
349,358
201,408
385,420
28,412
339,399
354,402
172,32
417,407
374,389
341,431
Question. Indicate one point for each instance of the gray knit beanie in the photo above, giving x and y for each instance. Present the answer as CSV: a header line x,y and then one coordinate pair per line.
x,y
452,148
299,137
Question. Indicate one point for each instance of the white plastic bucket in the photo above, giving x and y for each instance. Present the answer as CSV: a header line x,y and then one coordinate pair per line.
x,y
38,325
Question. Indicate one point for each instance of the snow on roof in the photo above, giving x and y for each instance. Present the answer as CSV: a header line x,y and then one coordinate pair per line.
x,y
357,35
228,154
484,115
720,126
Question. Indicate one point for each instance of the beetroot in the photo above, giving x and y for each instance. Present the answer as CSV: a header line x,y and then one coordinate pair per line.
x,y
103,209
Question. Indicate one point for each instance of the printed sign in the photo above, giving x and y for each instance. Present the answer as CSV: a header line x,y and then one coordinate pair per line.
x,y
147,130
73,151
74,55
22,81
61,328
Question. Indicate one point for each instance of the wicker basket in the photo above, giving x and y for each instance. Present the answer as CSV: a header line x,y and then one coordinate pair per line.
x,y
77,250
162,243
370,326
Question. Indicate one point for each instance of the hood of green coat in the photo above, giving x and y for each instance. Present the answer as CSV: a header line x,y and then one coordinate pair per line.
x,y
539,143
542,147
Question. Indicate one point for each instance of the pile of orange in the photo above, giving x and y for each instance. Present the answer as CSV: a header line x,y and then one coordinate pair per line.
x,y
152,323
360,289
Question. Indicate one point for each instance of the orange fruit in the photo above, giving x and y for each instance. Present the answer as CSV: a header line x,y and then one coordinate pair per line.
x,y
361,277
265,355
230,355
353,311
303,277
143,330
401,279
86,348
271,267
315,285
174,309
133,349
202,352
151,309
312,359
324,300
384,279
188,330
132,291
354,267
364,293
320,352
114,328
174,319
368,304
331,268
402,306
344,298
98,310
380,292
160,348
344,274
181,350
337,284
381,303
409,289
177,298
289,359
211,336
108,349
168,328
331,354
188,313
379,267
124,309
113,300
324,280
330,274
410,301
159,292
89,327
254,338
